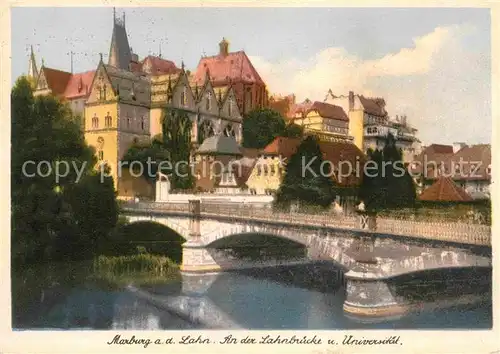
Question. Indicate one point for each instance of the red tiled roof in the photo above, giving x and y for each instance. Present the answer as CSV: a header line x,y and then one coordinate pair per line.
x,y
439,149
325,110
445,190
477,155
373,106
160,65
235,66
469,163
57,80
79,84
335,152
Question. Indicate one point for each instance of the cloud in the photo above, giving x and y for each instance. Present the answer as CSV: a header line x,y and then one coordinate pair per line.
x,y
437,82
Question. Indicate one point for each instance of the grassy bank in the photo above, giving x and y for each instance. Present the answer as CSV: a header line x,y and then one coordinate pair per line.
x,y
37,287
140,269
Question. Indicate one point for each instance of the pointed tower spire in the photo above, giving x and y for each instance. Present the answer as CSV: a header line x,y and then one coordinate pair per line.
x,y
182,66
32,69
120,54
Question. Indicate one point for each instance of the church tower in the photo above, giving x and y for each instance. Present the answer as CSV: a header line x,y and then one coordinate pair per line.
x,y
120,54
32,68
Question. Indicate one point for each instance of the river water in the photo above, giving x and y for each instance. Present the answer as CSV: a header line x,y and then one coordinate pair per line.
x,y
281,299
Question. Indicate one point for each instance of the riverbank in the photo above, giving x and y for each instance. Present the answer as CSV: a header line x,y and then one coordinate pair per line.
x,y
37,288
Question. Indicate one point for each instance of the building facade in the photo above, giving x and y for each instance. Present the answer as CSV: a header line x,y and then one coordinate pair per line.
x,y
369,124
236,70
468,166
268,170
327,121
123,101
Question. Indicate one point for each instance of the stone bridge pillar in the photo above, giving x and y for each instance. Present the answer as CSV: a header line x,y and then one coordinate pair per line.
x,y
195,256
368,296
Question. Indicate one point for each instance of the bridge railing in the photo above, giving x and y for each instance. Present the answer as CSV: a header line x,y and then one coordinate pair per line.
x,y
457,232
453,232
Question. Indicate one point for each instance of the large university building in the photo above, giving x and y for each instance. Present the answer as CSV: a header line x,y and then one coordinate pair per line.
x,y
122,101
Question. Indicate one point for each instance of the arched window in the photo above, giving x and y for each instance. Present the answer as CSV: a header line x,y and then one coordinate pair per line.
x,y
205,130
108,121
128,121
100,146
229,131
95,122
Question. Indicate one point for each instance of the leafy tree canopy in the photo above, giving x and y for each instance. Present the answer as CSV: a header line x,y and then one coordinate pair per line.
x,y
307,178
262,126
386,182
54,217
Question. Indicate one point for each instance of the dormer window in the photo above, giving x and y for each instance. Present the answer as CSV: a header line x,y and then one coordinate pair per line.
x,y
230,106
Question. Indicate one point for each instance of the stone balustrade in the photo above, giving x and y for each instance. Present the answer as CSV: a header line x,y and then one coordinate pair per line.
x,y
449,232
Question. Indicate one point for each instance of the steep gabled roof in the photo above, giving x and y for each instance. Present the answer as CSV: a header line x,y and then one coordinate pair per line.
x,y
223,69
57,80
156,66
445,190
79,84
325,110
374,106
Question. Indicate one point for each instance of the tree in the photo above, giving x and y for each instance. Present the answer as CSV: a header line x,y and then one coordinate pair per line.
x,y
47,222
176,127
293,130
307,178
262,126
153,153
169,152
387,183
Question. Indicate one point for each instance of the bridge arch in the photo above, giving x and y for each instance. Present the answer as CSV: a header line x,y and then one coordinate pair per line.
x,y
178,225
149,236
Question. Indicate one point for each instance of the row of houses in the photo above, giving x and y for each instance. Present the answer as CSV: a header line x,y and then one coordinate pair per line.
x,y
467,166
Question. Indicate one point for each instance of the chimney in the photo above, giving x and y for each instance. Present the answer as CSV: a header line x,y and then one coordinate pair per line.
x,y
458,146
351,100
403,120
224,47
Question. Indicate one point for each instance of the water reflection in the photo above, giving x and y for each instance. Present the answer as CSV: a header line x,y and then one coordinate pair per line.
x,y
257,299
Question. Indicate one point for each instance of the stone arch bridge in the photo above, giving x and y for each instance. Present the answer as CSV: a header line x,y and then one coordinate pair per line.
x,y
371,250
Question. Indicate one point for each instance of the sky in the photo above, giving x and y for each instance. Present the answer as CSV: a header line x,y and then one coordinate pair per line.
x,y
431,64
